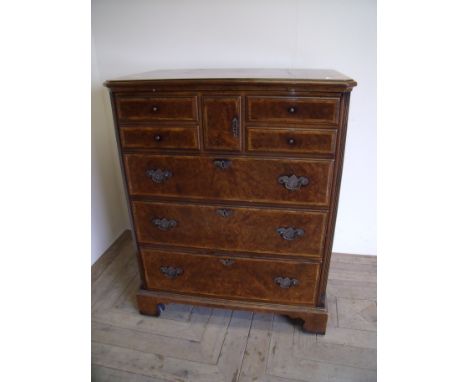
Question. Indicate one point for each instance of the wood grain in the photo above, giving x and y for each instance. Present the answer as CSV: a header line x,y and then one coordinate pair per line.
x,y
157,108
160,137
245,229
292,141
218,115
235,277
244,179
313,110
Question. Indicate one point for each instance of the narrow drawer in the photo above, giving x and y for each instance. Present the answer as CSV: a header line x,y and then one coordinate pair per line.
x,y
277,181
159,137
157,108
291,140
262,230
280,281
311,110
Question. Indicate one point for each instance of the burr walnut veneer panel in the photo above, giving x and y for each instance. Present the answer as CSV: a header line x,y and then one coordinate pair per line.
x,y
231,178
159,137
157,108
235,277
293,109
262,230
292,141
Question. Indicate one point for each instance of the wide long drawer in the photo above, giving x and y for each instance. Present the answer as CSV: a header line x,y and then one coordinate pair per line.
x,y
281,281
264,230
291,181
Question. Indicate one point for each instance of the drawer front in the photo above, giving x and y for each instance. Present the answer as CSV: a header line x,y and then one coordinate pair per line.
x,y
157,108
237,179
159,137
262,230
294,109
280,281
291,140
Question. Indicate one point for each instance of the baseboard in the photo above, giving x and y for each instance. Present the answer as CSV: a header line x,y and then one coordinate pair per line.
x,y
354,254
109,255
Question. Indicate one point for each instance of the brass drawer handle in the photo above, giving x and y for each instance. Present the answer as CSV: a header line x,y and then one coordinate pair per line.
x,y
224,212
158,175
286,282
291,141
158,138
293,182
222,164
164,224
292,110
290,233
227,262
171,272
235,127
155,108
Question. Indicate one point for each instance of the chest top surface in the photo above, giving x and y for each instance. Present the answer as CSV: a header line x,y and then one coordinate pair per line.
x,y
239,76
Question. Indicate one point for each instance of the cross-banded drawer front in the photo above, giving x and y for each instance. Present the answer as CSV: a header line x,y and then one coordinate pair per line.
x,y
294,141
281,281
260,230
136,109
231,178
159,137
303,110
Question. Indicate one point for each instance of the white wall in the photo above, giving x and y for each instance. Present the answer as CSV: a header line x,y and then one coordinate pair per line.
x,y
109,215
140,35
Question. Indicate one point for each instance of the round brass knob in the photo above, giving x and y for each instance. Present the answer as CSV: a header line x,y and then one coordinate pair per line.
x,y
292,109
291,141
155,108
157,138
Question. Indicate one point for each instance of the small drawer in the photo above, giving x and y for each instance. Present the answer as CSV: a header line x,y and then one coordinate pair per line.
x,y
303,110
277,281
159,138
157,108
291,140
243,229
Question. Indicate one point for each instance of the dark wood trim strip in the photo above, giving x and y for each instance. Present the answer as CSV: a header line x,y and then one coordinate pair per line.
x,y
231,85
229,253
234,203
334,199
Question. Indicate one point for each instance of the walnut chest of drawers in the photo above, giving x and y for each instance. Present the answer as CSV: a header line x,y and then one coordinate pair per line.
x,y
232,179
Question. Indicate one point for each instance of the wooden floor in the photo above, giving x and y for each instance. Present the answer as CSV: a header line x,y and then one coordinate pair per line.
x,y
201,344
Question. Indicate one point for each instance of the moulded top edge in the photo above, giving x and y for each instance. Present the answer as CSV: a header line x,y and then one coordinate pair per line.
x,y
322,76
